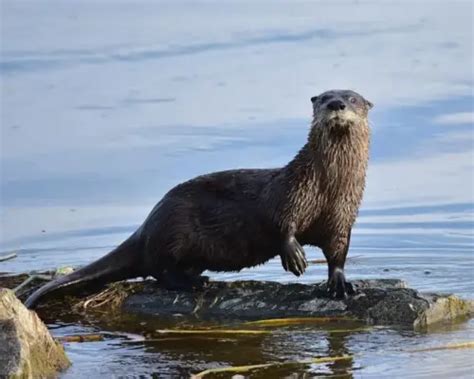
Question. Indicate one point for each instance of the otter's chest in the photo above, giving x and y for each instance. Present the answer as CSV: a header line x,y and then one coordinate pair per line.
x,y
333,210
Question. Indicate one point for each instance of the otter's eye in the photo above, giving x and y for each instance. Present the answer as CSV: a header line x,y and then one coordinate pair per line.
x,y
352,99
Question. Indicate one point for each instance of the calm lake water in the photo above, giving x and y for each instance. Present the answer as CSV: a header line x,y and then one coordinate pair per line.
x,y
106,105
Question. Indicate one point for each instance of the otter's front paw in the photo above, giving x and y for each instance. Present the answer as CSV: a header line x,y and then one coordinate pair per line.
x,y
337,286
293,257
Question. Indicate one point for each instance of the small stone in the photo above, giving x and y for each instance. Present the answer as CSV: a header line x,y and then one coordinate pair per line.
x,y
386,269
61,271
427,272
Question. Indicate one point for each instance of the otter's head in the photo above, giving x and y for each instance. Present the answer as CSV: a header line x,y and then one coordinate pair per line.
x,y
340,111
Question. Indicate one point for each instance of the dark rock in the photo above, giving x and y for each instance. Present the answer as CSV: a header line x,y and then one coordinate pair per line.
x,y
383,302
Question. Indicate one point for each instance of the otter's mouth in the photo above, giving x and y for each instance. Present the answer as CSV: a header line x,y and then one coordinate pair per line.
x,y
341,121
342,116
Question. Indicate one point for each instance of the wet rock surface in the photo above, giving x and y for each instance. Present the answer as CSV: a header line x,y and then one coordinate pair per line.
x,y
27,349
381,302
377,301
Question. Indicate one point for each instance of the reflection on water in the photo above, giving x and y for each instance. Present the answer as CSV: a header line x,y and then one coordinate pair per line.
x,y
374,353
102,115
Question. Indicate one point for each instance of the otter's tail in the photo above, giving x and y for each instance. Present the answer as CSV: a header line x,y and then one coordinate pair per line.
x,y
121,263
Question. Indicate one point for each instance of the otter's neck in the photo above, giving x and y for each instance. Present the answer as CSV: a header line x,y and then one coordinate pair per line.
x,y
331,166
331,152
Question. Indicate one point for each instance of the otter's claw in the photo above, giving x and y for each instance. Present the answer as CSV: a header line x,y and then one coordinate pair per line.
x,y
337,286
293,257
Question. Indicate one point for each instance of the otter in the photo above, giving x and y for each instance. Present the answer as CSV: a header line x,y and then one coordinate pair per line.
x,y
229,220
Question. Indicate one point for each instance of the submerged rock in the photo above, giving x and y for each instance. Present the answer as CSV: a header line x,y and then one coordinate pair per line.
x,y
382,302
27,349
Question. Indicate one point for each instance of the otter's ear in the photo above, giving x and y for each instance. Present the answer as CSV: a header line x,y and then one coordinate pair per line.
x,y
369,104
313,99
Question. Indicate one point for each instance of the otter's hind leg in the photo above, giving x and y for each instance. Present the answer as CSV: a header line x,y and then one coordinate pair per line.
x,y
182,280
336,253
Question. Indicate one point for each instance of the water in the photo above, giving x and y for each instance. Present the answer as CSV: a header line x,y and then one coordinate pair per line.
x,y
105,106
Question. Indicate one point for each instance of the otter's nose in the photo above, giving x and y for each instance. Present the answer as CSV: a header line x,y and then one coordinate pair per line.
x,y
336,105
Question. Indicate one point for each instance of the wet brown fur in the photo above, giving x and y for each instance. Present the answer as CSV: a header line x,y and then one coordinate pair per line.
x,y
227,221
